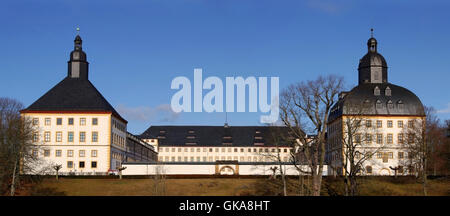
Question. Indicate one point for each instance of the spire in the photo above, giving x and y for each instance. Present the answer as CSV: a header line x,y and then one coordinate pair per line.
x,y
78,65
372,43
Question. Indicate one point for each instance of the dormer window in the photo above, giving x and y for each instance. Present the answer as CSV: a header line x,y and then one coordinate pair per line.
x,y
388,91
390,105
400,104
379,105
191,131
376,91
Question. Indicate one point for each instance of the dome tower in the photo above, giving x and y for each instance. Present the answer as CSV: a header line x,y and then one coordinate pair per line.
x,y
372,67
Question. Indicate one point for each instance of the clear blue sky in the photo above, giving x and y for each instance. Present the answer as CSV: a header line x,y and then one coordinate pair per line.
x,y
135,48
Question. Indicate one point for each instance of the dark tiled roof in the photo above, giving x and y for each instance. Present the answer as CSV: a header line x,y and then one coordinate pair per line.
x,y
73,94
216,135
362,100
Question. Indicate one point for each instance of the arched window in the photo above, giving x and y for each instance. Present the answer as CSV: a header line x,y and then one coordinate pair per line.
x,y
390,105
400,104
376,91
379,105
369,169
388,92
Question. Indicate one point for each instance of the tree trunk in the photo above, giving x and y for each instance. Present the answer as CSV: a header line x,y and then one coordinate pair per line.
x,y
424,173
316,183
13,182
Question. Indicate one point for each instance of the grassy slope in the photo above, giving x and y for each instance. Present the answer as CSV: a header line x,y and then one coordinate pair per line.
x,y
225,187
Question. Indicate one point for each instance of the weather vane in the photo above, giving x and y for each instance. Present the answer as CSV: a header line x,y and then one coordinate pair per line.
x,y
371,32
78,30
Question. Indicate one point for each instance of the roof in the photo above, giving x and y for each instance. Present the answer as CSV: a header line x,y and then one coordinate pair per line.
x,y
216,135
362,100
73,94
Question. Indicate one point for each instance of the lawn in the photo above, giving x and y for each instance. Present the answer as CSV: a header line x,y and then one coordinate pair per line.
x,y
372,186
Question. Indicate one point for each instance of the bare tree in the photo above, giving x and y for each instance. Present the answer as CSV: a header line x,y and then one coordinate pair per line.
x,y
277,138
57,168
18,154
159,180
305,107
357,145
418,141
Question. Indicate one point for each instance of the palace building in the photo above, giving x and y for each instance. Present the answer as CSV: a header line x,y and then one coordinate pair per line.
x,y
79,129
217,150
214,143
381,113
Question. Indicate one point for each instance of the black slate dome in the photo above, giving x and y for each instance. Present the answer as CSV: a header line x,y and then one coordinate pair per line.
x,y
378,99
375,95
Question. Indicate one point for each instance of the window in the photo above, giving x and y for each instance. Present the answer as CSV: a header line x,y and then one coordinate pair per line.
x,y
400,104
70,136
35,153
81,164
46,153
58,136
82,136
400,124
376,91
379,155
379,105
47,121
400,138
369,169
69,164
368,138
235,150
35,137
35,121
379,138
410,138
58,121
82,153
390,155
47,136
389,139
379,123
410,123
94,121
357,138
388,91
58,153
69,153
389,123
70,121
95,136
82,121
401,155
390,105
368,123
94,164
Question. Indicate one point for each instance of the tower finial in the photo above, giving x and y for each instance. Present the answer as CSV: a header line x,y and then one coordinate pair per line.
x,y
371,32
78,30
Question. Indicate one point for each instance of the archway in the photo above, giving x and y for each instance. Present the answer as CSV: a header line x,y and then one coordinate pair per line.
x,y
226,170
385,172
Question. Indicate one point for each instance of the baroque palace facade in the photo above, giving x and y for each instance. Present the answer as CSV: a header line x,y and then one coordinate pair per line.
x,y
379,116
82,132
79,129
